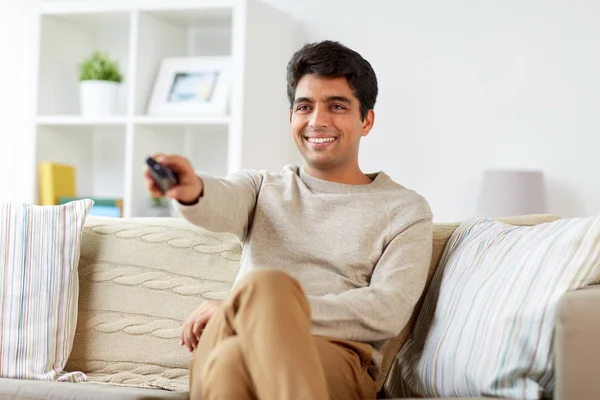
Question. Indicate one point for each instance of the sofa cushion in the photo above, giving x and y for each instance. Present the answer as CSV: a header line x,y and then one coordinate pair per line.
x,y
39,253
40,390
441,234
27,390
139,279
487,322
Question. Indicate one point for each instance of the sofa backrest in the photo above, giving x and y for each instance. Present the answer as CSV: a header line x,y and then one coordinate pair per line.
x,y
140,277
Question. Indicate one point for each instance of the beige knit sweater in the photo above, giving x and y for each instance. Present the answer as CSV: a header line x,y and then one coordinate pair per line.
x,y
360,252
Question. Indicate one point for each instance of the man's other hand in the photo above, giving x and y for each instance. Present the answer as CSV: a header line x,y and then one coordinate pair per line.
x,y
195,323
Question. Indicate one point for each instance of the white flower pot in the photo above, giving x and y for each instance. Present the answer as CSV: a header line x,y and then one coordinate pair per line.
x,y
98,98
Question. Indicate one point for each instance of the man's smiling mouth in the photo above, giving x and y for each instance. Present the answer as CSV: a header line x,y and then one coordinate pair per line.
x,y
320,139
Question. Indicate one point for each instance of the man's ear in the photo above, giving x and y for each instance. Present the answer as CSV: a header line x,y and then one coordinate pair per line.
x,y
368,123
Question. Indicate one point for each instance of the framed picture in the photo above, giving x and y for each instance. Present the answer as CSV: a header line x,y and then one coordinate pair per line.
x,y
192,86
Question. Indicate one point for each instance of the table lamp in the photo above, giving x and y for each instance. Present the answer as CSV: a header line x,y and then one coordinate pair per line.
x,y
506,193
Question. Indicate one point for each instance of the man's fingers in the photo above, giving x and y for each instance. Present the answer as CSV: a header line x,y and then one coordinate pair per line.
x,y
174,162
182,335
174,192
187,334
151,185
188,338
197,328
194,325
190,326
154,191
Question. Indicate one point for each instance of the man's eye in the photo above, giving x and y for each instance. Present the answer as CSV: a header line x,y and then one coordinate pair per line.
x,y
302,108
337,107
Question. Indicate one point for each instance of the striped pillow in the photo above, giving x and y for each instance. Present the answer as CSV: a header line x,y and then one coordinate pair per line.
x,y
39,254
487,322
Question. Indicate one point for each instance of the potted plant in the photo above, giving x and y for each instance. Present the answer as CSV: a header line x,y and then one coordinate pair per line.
x,y
100,79
159,207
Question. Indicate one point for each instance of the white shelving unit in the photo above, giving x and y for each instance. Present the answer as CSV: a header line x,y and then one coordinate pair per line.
x,y
109,153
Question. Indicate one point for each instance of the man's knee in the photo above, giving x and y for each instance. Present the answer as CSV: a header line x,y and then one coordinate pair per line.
x,y
225,359
269,292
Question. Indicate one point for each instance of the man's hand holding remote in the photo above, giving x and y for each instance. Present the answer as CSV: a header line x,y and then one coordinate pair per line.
x,y
190,187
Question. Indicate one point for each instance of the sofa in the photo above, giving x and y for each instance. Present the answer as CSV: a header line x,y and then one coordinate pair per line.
x,y
140,277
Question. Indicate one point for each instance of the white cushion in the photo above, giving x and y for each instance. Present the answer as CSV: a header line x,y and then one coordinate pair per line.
x,y
487,322
39,254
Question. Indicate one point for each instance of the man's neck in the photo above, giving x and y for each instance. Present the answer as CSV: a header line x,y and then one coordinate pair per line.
x,y
348,176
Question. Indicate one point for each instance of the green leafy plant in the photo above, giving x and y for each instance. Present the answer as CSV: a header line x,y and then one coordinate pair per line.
x,y
160,202
100,67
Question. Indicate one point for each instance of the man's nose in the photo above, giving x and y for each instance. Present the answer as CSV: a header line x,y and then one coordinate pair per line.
x,y
319,119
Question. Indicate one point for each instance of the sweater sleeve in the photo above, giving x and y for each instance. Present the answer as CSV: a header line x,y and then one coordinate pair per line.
x,y
226,204
382,309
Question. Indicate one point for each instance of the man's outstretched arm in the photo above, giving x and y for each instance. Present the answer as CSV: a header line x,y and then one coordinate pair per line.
x,y
215,204
382,309
226,204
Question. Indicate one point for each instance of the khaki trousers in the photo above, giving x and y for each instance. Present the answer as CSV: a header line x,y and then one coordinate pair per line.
x,y
259,345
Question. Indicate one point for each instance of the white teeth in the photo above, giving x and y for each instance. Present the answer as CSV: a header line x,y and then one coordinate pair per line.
x,y
321,140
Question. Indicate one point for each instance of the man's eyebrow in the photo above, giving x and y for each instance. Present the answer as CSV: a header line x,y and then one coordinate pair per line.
x,y
302,100
341,99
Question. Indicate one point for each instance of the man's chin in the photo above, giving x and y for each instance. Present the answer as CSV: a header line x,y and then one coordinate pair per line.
x,y
319,164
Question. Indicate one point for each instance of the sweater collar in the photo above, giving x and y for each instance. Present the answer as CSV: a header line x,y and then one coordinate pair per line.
x,y
321,185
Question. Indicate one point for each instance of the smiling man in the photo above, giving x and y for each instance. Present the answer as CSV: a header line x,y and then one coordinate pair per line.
x,y
334,259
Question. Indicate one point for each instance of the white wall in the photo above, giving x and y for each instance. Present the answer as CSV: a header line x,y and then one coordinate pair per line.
x,y
466,85
17,65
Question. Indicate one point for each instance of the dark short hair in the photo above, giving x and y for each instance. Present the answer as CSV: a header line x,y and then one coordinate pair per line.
x,y
334,60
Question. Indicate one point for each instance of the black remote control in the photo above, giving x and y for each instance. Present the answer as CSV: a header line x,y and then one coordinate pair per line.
x,y
163,177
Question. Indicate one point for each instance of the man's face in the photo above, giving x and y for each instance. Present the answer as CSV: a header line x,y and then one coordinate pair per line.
x,y
326,122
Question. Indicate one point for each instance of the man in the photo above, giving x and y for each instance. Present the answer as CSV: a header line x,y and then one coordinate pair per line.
x,y
333,260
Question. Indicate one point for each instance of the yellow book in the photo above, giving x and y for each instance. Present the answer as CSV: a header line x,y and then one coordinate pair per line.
x,y
55,180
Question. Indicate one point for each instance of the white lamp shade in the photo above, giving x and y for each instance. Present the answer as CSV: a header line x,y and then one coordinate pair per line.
x,y
506,193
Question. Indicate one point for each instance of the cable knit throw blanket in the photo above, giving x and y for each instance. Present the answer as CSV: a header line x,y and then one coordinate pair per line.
x,y
139,279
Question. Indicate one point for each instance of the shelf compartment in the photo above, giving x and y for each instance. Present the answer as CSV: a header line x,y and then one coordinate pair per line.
x,y
98,154
65,42
177,33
